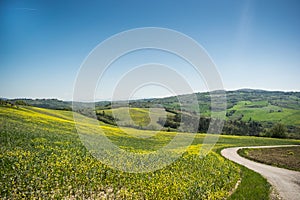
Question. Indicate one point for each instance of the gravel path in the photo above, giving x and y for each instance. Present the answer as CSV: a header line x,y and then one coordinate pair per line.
x,y
286,182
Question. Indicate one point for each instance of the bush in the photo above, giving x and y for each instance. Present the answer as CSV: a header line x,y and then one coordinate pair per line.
x,y
278,131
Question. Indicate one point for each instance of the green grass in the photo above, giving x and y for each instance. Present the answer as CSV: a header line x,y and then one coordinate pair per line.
x,y
264,112
41,156
253,186
137,117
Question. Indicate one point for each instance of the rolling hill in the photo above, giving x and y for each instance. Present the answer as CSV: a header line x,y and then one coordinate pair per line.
x,y
245,108
42,156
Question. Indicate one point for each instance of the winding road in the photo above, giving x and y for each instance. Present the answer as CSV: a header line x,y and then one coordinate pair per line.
x,y
286,182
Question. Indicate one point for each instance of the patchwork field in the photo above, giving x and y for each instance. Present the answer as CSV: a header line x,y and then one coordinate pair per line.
x,y
249,112
42,156
262,111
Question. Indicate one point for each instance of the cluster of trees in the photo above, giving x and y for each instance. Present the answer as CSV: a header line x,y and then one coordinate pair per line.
x,y
14,103
101,116
171,122
183,122
277,131
239,127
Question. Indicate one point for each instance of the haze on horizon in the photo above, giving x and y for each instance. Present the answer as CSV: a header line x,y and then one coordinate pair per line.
x,y
254,44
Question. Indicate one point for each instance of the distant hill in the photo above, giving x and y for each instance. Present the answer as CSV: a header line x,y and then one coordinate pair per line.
x,y
246,108
277,98
45,103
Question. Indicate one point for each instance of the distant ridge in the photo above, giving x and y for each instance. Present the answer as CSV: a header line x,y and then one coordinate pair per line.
x,y
246,108
50,101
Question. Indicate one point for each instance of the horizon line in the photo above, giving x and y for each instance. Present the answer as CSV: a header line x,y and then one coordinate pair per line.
x,y
142,98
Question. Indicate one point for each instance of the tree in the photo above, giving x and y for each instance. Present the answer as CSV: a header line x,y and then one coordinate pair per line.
x,y
20,102
278,131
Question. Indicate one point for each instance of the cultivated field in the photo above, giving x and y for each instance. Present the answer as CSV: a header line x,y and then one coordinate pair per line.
x,y
285,157
42,157
265,112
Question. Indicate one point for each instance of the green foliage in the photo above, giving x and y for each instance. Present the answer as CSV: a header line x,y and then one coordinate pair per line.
x,y
45,103
140,118
108,119
252,186
278,131
20,103
172,121
239,127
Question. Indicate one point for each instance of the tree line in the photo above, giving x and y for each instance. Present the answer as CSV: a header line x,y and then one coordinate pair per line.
x,y
184,122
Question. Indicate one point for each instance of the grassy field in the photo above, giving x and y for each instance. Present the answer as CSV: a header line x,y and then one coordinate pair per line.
x,y
41,156
285,157
137,117
262,111
261,114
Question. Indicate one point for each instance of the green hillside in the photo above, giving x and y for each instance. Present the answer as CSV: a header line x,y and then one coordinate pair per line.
x,y
249,112
42,157
264,112
143,118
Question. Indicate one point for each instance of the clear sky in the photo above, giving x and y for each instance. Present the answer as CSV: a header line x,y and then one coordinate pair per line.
x,y
254,44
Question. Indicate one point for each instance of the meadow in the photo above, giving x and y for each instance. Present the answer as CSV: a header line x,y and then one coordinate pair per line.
x,y
263,111
145,118
42,156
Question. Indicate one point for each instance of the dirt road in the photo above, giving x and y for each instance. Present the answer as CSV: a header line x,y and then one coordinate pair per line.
x,y
286,182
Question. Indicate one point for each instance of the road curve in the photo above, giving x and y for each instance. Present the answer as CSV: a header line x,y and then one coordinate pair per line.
x,y
286,182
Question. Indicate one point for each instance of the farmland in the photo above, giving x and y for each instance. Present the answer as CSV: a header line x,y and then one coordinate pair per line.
x,y
249,112
135,117
264,112
285,157
42,157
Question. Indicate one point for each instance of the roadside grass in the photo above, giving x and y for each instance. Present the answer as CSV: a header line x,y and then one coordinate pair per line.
x,y
41,156
284,157
253,186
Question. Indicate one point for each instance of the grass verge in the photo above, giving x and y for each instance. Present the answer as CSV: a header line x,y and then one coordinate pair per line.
x,y
253,186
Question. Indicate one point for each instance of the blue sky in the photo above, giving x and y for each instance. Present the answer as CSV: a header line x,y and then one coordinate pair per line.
x,y
254,44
